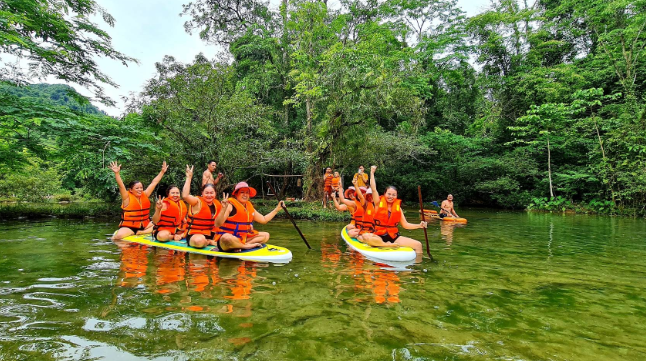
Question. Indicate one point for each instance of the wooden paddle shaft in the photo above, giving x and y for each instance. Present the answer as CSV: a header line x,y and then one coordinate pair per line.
x,y
421,209
289,215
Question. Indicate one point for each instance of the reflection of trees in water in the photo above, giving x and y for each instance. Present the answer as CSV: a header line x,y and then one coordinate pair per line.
x,y
178,273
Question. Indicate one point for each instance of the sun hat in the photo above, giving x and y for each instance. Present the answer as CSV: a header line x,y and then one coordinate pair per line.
x,y
369,191
349,191
241,185
363,190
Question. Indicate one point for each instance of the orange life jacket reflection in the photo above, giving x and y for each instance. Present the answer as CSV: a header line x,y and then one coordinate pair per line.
x,y
173,217
387,222
137,213
204,221
241,223
368,219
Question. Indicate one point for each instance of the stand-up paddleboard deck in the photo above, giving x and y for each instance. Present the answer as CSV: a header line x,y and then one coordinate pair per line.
x,y
268,252
400,254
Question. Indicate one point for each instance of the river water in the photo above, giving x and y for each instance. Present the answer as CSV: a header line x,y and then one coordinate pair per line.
x,y
507,286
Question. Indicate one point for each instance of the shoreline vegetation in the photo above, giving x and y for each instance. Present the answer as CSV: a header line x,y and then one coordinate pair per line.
x,y
537,107
310,211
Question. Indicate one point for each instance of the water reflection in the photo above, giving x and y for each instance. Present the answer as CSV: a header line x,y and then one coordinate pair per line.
x,y
190,277
134,263
371,282
446,230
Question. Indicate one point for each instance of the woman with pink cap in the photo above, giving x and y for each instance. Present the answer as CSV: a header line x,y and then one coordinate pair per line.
x,y
236,221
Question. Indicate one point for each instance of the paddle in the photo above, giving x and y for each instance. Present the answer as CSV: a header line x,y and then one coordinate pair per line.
x,y
289,215
421,209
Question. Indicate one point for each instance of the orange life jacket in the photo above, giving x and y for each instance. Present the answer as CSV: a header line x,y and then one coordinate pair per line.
x,y
203,222
368,219
137,213
172,219
335,182
328,179
387,222
357,216
241,223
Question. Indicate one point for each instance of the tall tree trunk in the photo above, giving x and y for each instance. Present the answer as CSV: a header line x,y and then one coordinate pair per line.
x,y
549,167
610,177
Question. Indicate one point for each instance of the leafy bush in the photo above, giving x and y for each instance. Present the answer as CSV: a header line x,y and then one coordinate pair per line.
x,y
35,183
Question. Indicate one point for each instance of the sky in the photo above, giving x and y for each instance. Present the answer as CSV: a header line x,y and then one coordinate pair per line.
x,y
150,29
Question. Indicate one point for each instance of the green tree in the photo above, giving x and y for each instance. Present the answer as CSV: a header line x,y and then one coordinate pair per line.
x,y
58,38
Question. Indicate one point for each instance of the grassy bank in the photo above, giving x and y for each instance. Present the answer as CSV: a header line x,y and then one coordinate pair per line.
x,y
64,210
599,207
299,210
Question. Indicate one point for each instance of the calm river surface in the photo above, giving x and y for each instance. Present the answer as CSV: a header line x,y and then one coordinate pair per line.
x,y
508,286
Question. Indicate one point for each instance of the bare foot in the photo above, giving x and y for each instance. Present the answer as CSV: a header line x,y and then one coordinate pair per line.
x,y
250,245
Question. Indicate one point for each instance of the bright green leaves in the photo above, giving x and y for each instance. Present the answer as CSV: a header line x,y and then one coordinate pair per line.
x,y
57,38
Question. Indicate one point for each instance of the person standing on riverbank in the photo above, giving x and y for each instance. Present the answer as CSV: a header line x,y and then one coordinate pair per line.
x,y
360,178
336,184
327,186
135,203
207,176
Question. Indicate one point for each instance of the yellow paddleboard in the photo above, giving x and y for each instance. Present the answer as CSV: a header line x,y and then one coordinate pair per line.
x,y
266,253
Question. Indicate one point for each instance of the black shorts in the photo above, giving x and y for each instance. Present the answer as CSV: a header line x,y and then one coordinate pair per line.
x,y
388,239
133,229
442,215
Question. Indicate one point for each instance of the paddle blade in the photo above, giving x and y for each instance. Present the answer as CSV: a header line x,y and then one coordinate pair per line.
x,y
435,204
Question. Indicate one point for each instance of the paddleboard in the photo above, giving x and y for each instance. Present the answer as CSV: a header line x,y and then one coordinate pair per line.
x,y
455,220
266,253
401,254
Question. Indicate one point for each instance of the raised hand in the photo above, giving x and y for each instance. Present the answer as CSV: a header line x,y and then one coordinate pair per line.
x,y
224,201
189,171
115,167
373,169
164,167
160,203
220,175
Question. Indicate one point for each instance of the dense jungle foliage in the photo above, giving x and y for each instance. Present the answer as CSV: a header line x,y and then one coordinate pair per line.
x,y
520,106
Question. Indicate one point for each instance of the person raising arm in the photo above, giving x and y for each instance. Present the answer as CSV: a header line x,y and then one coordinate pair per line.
x,y
387,217
135,203
170,216
202,211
